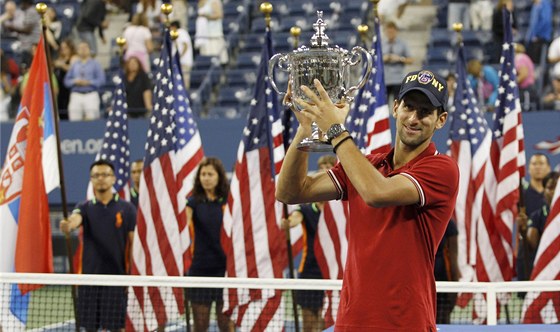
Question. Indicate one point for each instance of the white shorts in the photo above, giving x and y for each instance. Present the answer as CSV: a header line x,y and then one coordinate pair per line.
x,y
83,106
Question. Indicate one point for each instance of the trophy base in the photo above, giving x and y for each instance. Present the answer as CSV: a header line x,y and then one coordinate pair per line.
x,y
314,145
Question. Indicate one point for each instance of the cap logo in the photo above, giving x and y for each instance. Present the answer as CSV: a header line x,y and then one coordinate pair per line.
x,y
425,77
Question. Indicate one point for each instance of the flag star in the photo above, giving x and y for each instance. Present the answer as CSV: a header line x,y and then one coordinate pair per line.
x,y
163,142
253,102
152,150
509,96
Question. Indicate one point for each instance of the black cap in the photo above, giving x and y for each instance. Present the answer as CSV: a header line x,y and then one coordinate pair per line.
x,y
432,85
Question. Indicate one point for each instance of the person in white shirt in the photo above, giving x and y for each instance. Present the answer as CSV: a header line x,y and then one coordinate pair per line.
x,y
139,40
183,45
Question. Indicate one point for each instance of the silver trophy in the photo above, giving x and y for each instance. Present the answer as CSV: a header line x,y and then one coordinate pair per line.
x,y
330,65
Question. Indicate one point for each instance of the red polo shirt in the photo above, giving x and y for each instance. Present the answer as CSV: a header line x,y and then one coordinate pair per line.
x,y
389,281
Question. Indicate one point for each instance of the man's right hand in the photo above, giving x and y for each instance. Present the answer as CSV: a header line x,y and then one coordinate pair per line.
x,y
65,226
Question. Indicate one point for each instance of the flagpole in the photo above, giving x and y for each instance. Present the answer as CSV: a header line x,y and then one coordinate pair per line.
x,y
363,30
166,10
42,9
295,31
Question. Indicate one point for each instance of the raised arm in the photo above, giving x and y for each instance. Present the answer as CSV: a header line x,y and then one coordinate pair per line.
x,y
74,221
373,187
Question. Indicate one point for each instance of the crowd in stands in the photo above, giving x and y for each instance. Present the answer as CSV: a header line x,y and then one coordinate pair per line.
x,y
220,40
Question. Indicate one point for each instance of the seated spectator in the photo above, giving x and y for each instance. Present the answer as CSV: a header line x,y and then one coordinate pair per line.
x,y
84,79
525,77
554,56
484,81
66,57
12,17
551,98
139,40
138,89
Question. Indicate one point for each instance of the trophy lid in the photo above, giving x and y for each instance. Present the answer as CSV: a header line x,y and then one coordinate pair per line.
x,y
319,39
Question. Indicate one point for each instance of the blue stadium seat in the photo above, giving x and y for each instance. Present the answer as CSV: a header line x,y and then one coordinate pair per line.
x,y
204,62
248,60
234,96
241,78
441,54
223,112
302,22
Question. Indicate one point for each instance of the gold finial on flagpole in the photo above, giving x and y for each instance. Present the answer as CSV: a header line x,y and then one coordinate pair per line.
x,y
458,28
121,42
41,8
266,9
363,31
295,31
174,34
166,10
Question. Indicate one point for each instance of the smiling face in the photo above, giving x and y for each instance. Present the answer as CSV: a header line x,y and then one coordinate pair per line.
x,y
416,119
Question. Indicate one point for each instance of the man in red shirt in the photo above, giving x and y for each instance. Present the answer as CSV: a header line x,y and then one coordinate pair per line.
x,y
400,203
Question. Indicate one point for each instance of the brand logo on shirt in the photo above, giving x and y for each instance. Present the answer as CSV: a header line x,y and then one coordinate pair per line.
x,y
118,222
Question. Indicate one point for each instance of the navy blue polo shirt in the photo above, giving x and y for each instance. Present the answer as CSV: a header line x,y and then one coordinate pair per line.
x,y
309,267
533,200
106,229
440,270
208,257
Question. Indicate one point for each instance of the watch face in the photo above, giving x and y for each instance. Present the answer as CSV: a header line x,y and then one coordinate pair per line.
x,y
335,130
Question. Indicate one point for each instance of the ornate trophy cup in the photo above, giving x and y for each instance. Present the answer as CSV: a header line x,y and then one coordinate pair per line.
x,y
330,65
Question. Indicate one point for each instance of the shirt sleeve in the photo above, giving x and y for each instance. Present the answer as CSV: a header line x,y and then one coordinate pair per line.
x,y
436,178
340,180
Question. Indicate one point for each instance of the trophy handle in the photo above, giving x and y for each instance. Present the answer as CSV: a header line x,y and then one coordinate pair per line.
x,y
280,59
356,50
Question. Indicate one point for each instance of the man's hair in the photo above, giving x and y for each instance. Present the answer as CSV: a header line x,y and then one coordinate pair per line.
x,y
552,176
138,161
541,154
102,162
175,24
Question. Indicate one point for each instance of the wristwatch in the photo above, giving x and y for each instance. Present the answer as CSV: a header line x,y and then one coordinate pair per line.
x,y
334,131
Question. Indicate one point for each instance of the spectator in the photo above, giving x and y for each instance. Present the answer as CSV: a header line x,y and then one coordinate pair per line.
x,y
209,38
108,228
66,57
530,229
139,40
12,17
451,87
551,99
92,16
458,11
54,28
554,57
84,78
28,32
539,32
395,56
525,77
25,78
392,10
135,174
205,214
484,80
481,15
183,45
138,89
152,10
495,48
446,268
9,77
311,301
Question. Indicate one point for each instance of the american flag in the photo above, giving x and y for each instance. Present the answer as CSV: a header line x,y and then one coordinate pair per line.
x,y
252,239
161,241
368,121
331,248
553,147
503,172
469,143
544,307
116,142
